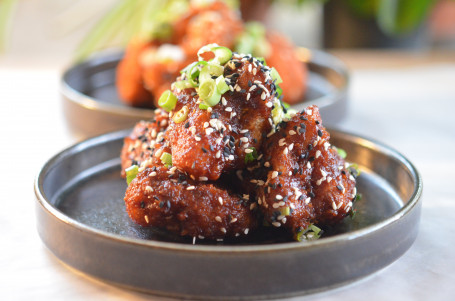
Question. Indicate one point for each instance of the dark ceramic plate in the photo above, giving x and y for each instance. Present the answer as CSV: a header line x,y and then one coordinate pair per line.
x,y
81,218
92,106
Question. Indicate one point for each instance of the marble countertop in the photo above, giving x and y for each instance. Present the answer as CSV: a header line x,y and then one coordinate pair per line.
x,y
408,105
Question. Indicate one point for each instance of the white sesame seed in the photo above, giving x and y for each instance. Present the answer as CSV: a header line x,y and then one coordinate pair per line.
x,y
206,124
252,206
285,151
146,219
307,201
209,109
246,231
209,131
231,157
326,145
153,173
233,220
203,179
218,140
223,101
218,219
267,164
284,220
218,154
276,224
281,142
149,188
220,199
244,131
274,174
228,109
290,173
197,138
191,187
329,179
279,197
244,139
263,95
339,205
318,153
252,88
291,146
223,230
292,132
248,150
255,71
309,112
334,206
280,217
249,68
269,104
323,173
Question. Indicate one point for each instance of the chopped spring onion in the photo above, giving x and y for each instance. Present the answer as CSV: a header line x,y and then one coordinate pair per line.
x,y
279,91
250,157
209,93
310,233
222,54
278,114
183,84
167,100
276,76
285,211
181,115
166,158
354,169
194,72
341,152
203,106
210,70
221,85
131,173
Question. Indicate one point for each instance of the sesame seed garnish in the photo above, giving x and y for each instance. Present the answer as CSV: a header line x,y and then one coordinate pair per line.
x,y
223,230
248,96
292,132
223,101
146,219
231,157
291,146
267,164
228,109
153,173
276,224
149,188
197,138
307,201
218,219
248,150
233,220
220,199
244,139
218,154
191,187
246,231
203,179
319,133
274,174
285,151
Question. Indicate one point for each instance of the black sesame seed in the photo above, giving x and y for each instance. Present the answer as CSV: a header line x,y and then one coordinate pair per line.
x,y
303,118
187,125
339,187
250,83
168,203
161,204
204,150
310,147
142,205
311,194
317,121
319,133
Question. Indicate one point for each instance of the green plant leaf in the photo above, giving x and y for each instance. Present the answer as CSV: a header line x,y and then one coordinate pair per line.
x,y
6,13
398,17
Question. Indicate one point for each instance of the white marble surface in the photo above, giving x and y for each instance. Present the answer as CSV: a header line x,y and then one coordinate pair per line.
x,y
411,109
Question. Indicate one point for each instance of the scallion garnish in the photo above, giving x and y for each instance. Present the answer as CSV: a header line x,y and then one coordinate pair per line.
x,y
167,100
310,233
341,152
131,173
250,157
208,92
222,54
166,159
221,85
276,76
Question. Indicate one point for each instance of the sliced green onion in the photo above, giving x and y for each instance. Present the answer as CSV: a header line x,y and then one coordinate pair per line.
x,y
131,173
181,115
285,211
341,152
279,91
277,114
210,70
183,84
221,85
194,72
166,158
203,106
354,170
275,76
250,157
310,233
167,100
262,60
222,54
209,93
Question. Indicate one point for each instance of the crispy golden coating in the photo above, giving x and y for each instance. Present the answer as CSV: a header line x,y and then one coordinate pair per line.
x,y
168,199
130,85
146,142
293,72
307,181
215,141
213,23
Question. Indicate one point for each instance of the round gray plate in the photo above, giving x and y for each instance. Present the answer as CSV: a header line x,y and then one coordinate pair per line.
x,y
82,220
92,106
